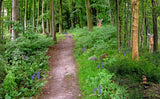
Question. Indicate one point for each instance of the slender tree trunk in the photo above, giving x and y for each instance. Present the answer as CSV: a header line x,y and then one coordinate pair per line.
x,y
135,16
89,17
110,12
118,40
43,29
15,17
25,16
154,16
81,23
38,17
126,24
47,20
33,14
53,30
1,24
141,32
60,16
1,38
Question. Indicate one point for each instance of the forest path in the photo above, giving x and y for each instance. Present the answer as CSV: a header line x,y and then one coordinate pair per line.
x,y
62,81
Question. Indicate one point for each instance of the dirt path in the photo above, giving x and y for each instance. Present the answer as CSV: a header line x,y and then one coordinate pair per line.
x,y
63,82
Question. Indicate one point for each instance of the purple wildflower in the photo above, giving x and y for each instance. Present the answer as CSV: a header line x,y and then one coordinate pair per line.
x,y
98,66
100,89
102,67
38,75
102,64
124,54
33,76
94,90
127,51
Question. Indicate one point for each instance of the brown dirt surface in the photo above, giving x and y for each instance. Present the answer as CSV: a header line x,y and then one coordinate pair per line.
x,y
62,81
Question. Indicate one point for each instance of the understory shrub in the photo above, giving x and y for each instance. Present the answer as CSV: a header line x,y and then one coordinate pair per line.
x,y
25,57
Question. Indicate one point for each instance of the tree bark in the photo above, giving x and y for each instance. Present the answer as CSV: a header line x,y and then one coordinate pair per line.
x,y
15,17
1,41
141,32
37,17
110,12
53,26
25,16
154,17
43,29
60,16
118,40
89,17
33,14
135,16
47,20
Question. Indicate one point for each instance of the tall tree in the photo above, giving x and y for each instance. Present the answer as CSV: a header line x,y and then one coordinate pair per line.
x,y
43,29
135,16
38,17
154,17
60,16
89,17
25,16
118,40
0,19
53,24
33,14
15,17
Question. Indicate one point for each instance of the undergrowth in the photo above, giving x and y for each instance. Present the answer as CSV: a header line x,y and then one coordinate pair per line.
x,y
119,71
23,65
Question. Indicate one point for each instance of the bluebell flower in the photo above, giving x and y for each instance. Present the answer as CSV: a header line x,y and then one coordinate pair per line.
x,y
127,51
38,75
33,76
124,54
102,64
94,90
100,89
102,67
98,66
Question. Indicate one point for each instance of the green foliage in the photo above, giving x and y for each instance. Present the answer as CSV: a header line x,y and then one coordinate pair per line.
x,y
26,56
101,40
147,65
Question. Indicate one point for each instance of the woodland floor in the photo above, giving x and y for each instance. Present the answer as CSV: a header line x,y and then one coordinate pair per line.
x,y
62,81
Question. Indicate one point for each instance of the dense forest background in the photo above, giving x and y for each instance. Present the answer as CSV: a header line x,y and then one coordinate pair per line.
x,y
29,27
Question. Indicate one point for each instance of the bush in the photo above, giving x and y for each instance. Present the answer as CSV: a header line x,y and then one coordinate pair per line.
x,y
123,65
26,57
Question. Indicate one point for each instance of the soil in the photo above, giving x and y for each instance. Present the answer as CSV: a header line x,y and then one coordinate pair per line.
x,y
62,81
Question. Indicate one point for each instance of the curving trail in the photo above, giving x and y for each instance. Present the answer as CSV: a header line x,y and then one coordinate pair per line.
x,y
62,81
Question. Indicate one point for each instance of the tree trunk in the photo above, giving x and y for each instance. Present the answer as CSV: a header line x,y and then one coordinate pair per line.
x,y
135,16
33,14
118,40
15,17
37,17
126,25
141,32
53,26
1,38
110,12
47,20
25,16
89,17
43,29
154,16
81,23
60,16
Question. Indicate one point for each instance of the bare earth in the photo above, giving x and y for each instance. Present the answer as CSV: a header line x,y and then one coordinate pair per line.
x,y
62,81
